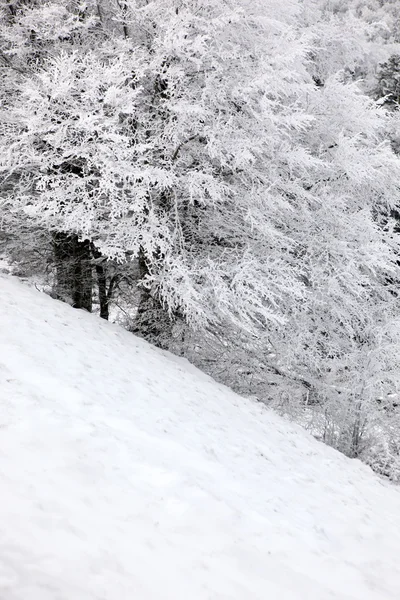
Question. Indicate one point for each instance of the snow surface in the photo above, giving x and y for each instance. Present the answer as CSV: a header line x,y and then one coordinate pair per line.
x,y
126,473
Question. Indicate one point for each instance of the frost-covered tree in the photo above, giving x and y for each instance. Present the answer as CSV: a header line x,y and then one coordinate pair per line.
x,y
226,151
154,145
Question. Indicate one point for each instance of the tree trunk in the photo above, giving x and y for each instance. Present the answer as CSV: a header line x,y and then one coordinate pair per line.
x,y
356,432
74,278
103,296
152,321
101,273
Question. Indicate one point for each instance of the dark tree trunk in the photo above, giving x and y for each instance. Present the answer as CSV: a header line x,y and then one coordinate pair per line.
x,y
74,275
152,321
101,273
103,296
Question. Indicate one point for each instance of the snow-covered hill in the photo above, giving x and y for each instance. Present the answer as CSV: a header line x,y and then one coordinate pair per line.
x,y
126,474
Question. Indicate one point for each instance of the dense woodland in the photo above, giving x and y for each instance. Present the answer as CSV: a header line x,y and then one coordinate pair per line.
x,y
223,178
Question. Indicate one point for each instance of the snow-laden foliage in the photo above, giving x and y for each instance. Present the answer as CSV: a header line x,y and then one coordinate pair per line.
x,y
176,139
228,150
351,35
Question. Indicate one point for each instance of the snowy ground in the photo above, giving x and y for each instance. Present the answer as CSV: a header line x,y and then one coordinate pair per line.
x,y
126,474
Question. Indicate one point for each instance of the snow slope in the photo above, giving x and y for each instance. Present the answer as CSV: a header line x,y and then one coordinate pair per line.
x,y
125,473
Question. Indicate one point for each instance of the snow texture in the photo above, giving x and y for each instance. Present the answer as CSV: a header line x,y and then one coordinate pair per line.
x,y
126,473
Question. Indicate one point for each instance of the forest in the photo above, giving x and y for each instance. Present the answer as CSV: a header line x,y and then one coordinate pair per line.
x,y
222,178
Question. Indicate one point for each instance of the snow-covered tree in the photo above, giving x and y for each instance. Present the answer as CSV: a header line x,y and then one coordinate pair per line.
x,y
226,150
156,145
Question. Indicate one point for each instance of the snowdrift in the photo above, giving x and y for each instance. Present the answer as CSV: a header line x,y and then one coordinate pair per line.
x,y
126,474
